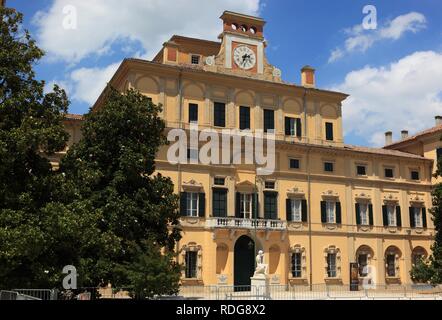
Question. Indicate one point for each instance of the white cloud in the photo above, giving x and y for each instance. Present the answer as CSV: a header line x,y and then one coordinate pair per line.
x,y
406,94
360,40
88,83
150,22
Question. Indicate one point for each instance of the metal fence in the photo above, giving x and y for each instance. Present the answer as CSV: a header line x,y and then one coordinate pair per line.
x,y
313,292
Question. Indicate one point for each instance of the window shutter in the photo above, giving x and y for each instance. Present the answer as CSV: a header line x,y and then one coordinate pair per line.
x,y
398,216
338,213
183,203
385,216
412,222
237,205
424,217
298,128
287,126
370,214
358,213
202,205
255,205
288,209
304,210
323,212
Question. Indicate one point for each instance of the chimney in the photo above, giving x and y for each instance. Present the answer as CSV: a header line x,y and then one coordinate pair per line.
x,y
438,120
388,138
404,134
308,77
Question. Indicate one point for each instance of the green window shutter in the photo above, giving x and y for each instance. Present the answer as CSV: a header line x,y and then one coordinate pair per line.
x,y
370,214
298,128
202,205
237,205
424,217
183,204
255,206
385,215
338,213
412,222
287,126
323,212
288,209
358,214
304,210
398,216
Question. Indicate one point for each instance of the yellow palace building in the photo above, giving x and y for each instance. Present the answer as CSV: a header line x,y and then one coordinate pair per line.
x,y
326,205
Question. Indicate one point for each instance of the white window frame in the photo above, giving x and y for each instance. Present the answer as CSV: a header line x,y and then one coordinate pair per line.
x,y
297,266
330,211
332,272
394,264
192,203
292,126
417,216
296,206
391,215
245,201
195,55
363,214
195,267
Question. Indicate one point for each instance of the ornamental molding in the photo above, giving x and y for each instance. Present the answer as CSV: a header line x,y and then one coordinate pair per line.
x,y
295,192
330,194
192,185
363,196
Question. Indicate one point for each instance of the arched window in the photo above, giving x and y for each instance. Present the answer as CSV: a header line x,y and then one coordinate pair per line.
x,y
392,256
332,256
297,262
192,259
418,254
364,255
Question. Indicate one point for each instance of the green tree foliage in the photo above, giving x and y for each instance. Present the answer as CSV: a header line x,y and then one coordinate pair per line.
x,y
30,130
112,169
431,270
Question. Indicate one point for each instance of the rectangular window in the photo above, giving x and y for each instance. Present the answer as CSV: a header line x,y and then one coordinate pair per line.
x,y
330,211
417,217
361,170
219,202
363,211
331,265
246,205
269,120
328,166
218,181
329,131
363,262
195,59
219,119
270,207
191,257
244,118
193,112
389,173
292,126
391,265
192,204
269,185
415,175
438,153
294,163
192,154
297,265
296,210
391,214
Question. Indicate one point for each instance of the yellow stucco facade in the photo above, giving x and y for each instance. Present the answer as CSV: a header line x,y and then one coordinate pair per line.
x,y
318,245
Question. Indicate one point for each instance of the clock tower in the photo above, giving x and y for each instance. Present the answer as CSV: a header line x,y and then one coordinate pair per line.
x,y
243,43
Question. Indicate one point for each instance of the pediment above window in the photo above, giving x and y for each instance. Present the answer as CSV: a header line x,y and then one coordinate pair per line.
x,y
330,194
192,185
245,186
416,199
295,192
363,197
390,198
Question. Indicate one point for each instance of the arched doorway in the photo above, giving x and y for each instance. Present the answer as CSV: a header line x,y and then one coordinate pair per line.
x,y
243,261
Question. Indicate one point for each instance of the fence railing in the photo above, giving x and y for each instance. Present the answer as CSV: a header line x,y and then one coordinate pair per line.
x,y
230,222
313,292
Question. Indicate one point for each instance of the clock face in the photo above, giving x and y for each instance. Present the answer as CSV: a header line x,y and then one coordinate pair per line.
x,y
244,57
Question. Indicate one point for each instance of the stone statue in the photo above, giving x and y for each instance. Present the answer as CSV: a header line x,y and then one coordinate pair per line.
x,y
261,267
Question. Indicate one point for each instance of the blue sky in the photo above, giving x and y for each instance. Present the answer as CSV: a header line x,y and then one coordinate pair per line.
x,y
393,73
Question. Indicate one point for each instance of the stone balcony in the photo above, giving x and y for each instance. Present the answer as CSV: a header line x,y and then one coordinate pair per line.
x,y
239,223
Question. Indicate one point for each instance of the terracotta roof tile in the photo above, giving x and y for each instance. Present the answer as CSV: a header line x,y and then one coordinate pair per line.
x,y
382,151
72,116
416,136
